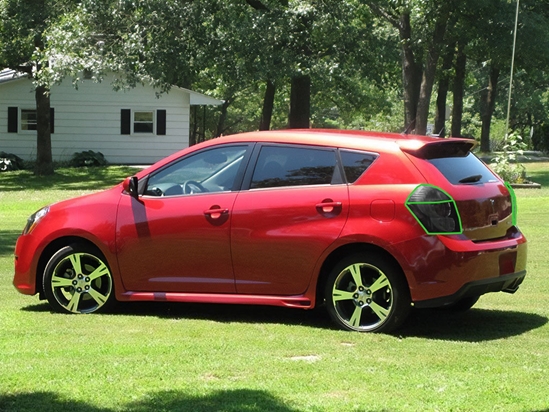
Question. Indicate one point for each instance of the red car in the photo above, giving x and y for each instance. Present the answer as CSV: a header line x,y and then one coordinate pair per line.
x,y
370,224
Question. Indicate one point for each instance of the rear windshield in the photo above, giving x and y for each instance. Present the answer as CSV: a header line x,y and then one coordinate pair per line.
x,y
467,169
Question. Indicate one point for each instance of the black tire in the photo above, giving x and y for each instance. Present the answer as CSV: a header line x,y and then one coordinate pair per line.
x,y
77,279
367,293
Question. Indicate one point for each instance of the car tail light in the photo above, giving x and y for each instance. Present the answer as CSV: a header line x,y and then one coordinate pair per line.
x,y
435,210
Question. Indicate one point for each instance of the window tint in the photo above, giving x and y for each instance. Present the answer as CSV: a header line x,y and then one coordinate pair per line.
x,y
212,170
463,170
355,163
293,166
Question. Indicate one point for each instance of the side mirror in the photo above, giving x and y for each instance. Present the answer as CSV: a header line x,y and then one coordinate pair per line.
x,y
130,185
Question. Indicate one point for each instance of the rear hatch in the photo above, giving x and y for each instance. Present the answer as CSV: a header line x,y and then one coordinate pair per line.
x,y
484,202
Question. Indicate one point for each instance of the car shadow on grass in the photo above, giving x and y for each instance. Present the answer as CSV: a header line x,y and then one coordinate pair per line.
x,y
7,241
475,325
224,400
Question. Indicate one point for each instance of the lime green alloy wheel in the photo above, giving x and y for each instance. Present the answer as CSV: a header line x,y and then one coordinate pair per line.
x,y
77,279
366,294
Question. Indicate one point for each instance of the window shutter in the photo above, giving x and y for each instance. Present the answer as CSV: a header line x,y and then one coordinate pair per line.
x,y
12,119
52,119
161,122
125,121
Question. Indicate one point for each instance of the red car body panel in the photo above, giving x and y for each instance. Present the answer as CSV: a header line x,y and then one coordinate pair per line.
x,y
270,246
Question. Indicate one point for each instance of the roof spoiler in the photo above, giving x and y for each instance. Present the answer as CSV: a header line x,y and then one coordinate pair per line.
x,y
438,148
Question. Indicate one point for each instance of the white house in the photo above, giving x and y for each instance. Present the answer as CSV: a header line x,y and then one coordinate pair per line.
x,y
128,127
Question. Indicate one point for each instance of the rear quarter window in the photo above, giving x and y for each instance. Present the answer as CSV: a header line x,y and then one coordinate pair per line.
x,y
467,169
355,163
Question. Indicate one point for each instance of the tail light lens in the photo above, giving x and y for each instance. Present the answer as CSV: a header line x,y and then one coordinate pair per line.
x,y
435,210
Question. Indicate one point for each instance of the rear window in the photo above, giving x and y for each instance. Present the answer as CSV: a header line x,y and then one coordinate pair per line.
x,y
467,169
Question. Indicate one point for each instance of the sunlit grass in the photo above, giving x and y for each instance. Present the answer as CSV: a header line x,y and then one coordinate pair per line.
x,y
165,357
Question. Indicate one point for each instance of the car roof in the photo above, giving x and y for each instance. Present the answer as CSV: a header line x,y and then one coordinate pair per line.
x,y
378,142
352,139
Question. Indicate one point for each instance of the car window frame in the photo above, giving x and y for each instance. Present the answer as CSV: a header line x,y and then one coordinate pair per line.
x,y
144,181
338,177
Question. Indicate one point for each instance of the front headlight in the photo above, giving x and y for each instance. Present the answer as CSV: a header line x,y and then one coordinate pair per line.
x,y
34,219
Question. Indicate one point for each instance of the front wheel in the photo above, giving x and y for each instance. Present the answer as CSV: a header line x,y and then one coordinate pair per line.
x,y
77,279
366,293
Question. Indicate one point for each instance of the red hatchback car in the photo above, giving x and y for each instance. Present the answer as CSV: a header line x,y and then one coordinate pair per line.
x,y
370,224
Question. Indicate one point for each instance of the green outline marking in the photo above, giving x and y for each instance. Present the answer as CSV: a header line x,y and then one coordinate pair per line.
x,y
450,200
514,210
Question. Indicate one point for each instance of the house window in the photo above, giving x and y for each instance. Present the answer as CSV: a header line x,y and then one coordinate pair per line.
x,y
143,122
28,119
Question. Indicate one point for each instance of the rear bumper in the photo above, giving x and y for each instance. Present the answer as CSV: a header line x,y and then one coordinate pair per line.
x,y
506,283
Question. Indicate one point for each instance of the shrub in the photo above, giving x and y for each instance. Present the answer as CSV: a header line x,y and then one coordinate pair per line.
x,y
505,163
87,158
9,161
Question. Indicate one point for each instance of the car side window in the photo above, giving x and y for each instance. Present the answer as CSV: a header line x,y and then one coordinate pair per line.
x,y
212,170
356,163
293,166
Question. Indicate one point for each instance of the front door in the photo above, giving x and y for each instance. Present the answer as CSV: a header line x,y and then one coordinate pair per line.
x,y
176,236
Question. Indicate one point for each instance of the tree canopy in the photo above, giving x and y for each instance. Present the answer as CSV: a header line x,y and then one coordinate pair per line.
x,y
419,65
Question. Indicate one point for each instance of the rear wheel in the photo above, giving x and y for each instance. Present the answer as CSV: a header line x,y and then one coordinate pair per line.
x,y
366,293
77,279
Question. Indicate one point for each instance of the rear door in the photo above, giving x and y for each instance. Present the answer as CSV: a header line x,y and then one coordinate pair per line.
x,y
295,207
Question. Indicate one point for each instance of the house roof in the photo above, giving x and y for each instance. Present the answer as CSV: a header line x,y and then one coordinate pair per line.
x,y
7,75
196,98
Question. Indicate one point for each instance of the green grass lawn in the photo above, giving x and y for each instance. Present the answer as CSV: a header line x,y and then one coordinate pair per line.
x,y
191,357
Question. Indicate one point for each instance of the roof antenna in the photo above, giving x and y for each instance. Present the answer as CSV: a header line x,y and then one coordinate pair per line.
x,y
410,127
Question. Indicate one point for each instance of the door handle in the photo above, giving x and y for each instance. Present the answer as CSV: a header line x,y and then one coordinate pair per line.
x,y
328,206
215,212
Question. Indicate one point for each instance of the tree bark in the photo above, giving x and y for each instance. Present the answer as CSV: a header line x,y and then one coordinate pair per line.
x,y
443,87
411,72
300,102
44,161
268,104
488,102
459,87
429,72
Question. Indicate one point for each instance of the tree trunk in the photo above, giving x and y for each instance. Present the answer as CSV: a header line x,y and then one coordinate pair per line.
x,y
268,104
300,102
222,118
488,102
429,72
411,72
44,163
443,87
459,87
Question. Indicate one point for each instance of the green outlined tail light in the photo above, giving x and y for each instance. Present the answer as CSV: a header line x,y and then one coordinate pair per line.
x,y
435,210
513,202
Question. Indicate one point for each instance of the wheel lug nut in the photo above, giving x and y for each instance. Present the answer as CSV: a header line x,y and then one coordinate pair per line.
x,y
74,282
360,303
87,287
80,276
355,296
87,279
79,290
361,288
368,301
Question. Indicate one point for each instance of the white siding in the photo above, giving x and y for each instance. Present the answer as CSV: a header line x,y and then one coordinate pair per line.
x,y
88,118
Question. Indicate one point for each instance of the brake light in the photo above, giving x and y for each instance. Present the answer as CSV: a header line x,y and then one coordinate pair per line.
x,y
435,210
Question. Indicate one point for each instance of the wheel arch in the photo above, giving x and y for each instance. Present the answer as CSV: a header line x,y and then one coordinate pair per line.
x,y
348,249
52,248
